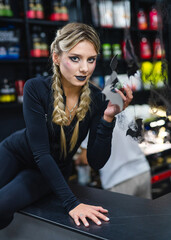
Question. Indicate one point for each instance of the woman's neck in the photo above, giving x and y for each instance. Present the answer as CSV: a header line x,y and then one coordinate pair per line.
x,y
71,91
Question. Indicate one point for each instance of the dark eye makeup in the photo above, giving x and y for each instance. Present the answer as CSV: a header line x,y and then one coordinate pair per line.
x,y
76,59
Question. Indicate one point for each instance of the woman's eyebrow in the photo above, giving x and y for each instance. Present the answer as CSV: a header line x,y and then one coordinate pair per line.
x,y
76,54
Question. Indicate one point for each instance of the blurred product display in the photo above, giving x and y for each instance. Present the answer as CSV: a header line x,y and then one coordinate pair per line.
x,y
153,74
106,51
5,9
113,14
149,20
19,86
40,47
59,10
7,91
145,48
39,10
116,49
31,13
142,19
111,50
153,19
35,9
9,42
158,50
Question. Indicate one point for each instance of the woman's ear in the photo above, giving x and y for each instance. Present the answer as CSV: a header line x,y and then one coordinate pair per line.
x,y
55,58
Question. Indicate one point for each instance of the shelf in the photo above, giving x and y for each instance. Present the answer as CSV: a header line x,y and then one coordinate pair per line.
x,y
40,60
123,29
13,61
149,1
100,28
12,105
11,20
46,22
143,31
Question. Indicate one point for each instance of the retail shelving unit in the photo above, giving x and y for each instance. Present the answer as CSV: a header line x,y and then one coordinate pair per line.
x,y
11,117
113,34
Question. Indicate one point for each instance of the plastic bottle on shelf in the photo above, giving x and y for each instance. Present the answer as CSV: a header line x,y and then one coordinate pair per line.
x,y
39,10
116,48
158,52
106,51
1,9
153,19
44,45
36,42
7,9
31,13
55,15
3,43
13,42
9,43
145,49
19,86
7,92
64,11
142,19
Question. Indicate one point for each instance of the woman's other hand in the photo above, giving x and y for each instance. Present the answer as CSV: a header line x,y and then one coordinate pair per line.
x,y
114,109
84,211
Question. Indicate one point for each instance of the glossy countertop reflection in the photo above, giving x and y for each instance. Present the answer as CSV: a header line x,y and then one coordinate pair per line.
x,y
130,217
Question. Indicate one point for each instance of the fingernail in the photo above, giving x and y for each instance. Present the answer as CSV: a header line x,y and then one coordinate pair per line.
x,y
125,86
78,224
98,222
116,90
107,219
86,224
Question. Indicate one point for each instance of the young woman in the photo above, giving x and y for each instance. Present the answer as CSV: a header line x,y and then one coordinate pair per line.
x,y
58,112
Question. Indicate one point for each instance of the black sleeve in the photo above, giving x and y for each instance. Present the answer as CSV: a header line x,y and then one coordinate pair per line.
x,y
37,133
100,136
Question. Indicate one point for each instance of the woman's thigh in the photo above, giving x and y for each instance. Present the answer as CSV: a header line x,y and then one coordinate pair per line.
x,y
9,165
25,188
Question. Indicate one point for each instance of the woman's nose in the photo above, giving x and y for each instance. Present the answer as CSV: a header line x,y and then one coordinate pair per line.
x,y
84,67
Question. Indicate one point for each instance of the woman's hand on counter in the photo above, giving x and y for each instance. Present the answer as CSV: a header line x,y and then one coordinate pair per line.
x,y
84,211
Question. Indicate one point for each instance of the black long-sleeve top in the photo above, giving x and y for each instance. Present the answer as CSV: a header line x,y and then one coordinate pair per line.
x,y
39,143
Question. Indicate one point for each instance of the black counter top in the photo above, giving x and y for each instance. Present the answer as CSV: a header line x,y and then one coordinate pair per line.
x,y
130,217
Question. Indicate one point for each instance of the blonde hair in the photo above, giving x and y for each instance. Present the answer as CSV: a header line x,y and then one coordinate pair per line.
x,y
66,38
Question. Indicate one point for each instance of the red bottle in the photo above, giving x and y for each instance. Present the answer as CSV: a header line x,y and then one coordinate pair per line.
x,y
39,9
55,10
142,20
153,19
158,52
31,13
64,13
145,49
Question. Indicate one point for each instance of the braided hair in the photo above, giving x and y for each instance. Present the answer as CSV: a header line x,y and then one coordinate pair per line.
x,y
66,38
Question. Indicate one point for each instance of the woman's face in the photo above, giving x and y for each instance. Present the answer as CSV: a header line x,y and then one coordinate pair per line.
x,y
78,64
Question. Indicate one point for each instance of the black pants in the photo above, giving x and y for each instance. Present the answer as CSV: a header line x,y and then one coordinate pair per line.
x,y
19,186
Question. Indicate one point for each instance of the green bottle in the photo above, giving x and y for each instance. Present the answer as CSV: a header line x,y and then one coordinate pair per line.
x,y
7,9
1,9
